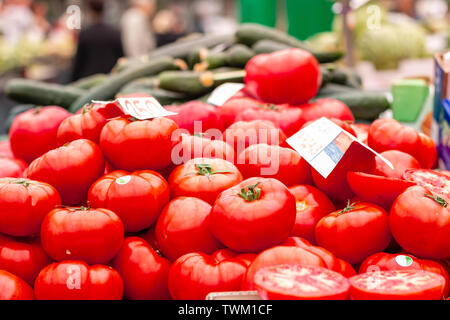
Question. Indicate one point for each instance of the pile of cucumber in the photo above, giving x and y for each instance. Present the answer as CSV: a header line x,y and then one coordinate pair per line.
x,y
191,68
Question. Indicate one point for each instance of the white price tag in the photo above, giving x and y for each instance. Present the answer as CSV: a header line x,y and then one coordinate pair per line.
x,y
140,108
323,144
224,92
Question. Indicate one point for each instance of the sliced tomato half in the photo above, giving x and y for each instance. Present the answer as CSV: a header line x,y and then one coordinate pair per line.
x,y
435,181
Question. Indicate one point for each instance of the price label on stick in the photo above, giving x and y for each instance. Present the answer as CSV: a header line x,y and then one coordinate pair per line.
x,y
323,144
224,92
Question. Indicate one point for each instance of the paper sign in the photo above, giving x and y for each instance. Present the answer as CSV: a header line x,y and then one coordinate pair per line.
x,y
224,92
323,144
140,108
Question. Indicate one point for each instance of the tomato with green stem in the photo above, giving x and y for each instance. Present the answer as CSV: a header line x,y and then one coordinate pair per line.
x,y
437,182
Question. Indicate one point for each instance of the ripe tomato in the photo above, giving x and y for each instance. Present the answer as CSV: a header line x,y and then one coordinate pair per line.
x,y
294,282
183,227
243,134
11,167
401,162
280,255
312,205
143,271
345,268
420,223
328,108
71,169
196,111
5,149
191,147
397,285
75,280
14,288
90,235
24,258
288,76
362,131
284,164
233,107
436,182
33,132
194,275
389,134
23,205
203,178
355,232
137,198
242,215
129,144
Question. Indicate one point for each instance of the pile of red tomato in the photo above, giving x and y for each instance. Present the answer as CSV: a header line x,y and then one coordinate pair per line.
x,y
100,205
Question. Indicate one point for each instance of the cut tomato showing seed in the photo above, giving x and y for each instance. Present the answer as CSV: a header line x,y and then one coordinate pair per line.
x,y
397,285
436,182
293,282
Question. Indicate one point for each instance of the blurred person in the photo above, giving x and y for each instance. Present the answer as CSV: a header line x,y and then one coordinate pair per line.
x,y
16,19
41,26
137,34
169,25
99,45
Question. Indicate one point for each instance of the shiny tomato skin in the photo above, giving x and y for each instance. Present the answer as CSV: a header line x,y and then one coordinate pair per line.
x,y
138,145
401,161
355,232
183,227
276,77
280,255
345,268
143,271
190,180
397,285
312,204
22,257
137,197
389,134
33,132
11,167
284,164
71,169
14,288
421,224
229,111
241,224
75,280
23,205
437,182
90,235
194,275
5,149
362,131
328,108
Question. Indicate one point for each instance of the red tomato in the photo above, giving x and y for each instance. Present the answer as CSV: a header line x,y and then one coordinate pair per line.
x,y
203,178
71,169
150,237
137,198
75,280
5,149
362,131
397,285
345,268
143,271
280,255
242,134
436,182
389,134
420,223
23,205
90,235
233,107
401,162
243,214
183,227
385,261
88,124
138,145
191,147
284,164
24,258
11,167
196,111
288,76
14,288
196,274
33,132
288,119
355,232
294,282
328,108
312,205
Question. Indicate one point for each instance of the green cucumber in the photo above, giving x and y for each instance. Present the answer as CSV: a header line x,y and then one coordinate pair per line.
x,y
164,97
90,81
326,76
42,93
330,89
212,60
268,46
112,86
238,55
346,77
